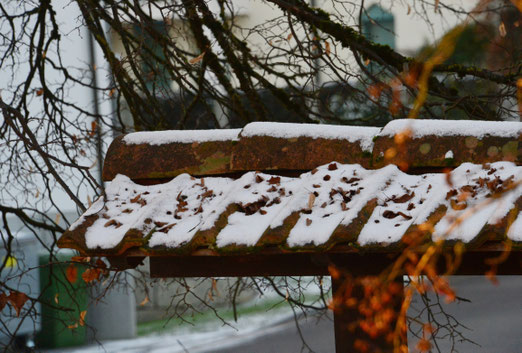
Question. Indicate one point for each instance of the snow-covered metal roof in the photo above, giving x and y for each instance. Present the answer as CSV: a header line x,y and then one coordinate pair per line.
x,y
333,204
317,191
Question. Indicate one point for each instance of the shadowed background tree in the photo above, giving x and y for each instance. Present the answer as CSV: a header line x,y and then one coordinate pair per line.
x,y
200,60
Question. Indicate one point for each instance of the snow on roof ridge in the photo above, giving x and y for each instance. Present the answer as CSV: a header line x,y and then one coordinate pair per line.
x,y
180,136
361,134
475,128
356,134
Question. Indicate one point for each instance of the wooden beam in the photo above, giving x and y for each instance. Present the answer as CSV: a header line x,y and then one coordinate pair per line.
x,y
309,264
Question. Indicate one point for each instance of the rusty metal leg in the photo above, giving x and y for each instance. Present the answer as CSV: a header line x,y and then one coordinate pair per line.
x,y
347,330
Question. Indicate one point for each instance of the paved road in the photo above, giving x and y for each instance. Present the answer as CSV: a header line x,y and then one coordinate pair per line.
x,y
494,319
319,337
494,316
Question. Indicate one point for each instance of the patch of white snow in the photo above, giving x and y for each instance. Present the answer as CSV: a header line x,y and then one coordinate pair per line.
x,y
180,136
356,134
475,128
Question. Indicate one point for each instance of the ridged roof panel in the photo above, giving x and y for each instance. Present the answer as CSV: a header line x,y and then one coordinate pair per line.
x,y
334,204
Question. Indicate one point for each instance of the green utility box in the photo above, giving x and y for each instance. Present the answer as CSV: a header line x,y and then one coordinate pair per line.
x,y
59,327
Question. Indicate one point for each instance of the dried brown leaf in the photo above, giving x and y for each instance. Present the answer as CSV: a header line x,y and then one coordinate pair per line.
x,y
82,318
197,59
144,301
113,222
311,200
404,198
17,300
390,214
94,128
91,274
274,180
423,345
111,92
458,206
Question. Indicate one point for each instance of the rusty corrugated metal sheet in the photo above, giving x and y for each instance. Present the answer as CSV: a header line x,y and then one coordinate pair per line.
x,y
331,206
160,161
246,151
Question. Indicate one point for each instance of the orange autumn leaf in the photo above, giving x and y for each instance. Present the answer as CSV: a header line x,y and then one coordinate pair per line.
x,y
334,272
492,276
82,318
71,273
111,92
94,126
375,90
17,300
361,345
395,106
424,345
411,77
427,329
197,59
91,274
144,301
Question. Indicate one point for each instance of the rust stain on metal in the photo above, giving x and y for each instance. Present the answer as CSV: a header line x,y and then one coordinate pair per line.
x,y
445,151
145,161
303,153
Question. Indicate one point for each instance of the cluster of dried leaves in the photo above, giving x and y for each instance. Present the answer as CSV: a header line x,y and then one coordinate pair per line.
x,y
96,269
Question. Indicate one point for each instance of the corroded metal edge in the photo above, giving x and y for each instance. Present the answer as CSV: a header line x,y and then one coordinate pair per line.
x,y
267,153
146,161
